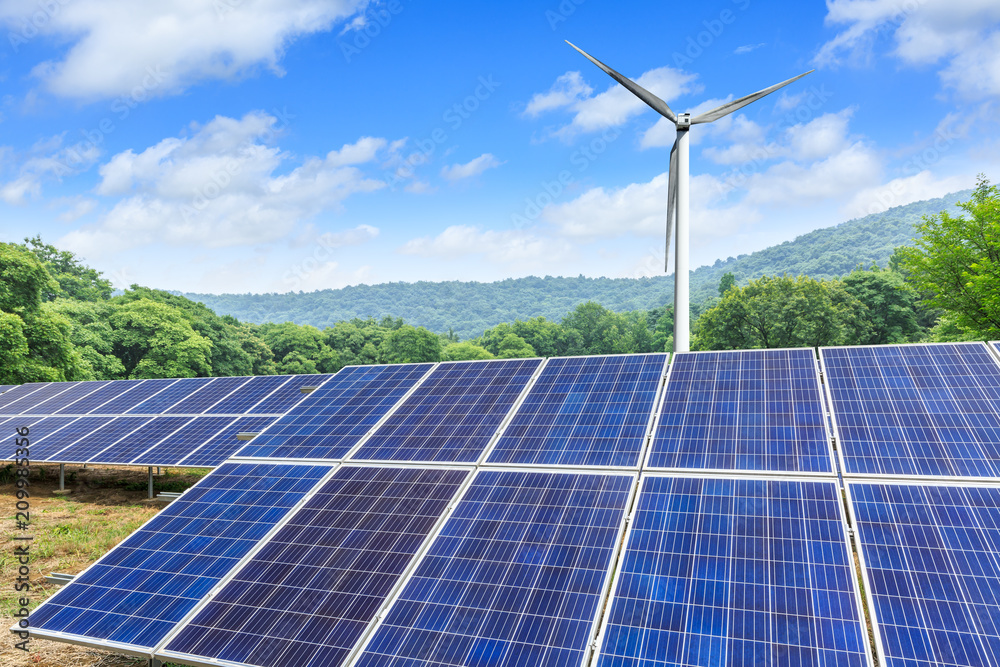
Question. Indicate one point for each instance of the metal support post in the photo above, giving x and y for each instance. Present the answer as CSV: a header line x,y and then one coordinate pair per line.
x,y
151,481
62,476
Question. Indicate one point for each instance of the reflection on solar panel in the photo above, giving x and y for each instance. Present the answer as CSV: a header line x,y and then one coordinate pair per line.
x,y
336,416
930,559
170,395
453,414
202,400
21,402
133,397
97,440
735,572
515,577
310,593
916,409
72,393
141,589
754,410
287,395
93,401
183,442
14,393
224,444
584,411
252,392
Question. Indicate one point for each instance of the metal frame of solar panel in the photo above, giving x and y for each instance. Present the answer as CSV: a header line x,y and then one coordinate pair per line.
x,y
737,440
645,641
987,397
935,591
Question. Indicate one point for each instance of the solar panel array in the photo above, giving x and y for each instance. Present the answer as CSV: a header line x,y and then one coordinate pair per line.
x,y
191,422
6,387
586,511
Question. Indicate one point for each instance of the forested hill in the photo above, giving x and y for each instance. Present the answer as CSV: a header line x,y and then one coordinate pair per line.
x,y
470,307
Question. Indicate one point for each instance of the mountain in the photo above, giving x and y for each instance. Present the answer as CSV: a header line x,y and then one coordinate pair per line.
x,y
471,307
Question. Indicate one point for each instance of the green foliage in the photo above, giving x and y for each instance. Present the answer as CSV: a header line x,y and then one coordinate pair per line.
x,y
514,347
299,349
155,340
74,280
465,351
410,345
782,312
956,263
892,306
725,282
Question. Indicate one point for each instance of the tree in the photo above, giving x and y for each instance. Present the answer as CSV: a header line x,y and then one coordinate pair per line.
x,y
956,261
155,340
92,335
74,280
408,345
299,349
514,347
465,351
782,312
893,310
728,280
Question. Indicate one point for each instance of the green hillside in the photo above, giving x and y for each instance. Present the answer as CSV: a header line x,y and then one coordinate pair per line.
x,y
471,307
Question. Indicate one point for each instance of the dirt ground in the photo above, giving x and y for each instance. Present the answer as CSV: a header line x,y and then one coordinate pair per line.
x,y
70,532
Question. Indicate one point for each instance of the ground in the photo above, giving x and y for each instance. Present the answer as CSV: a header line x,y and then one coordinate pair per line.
x,y
71,532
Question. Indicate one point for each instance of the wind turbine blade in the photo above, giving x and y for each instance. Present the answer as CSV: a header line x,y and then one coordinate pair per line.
x,y
649,98
730,107
671,204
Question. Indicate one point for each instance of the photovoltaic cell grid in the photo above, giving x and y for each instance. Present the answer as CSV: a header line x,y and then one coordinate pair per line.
x,y
336,416
203,400
933,575
735,572
224,444
453,414
931,410
142,588
592,411
516,576
15,403
310,593
7,387
752,410
95,441
177,446
136,442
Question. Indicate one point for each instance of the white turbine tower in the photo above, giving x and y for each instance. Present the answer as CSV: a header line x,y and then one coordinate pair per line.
x,y
678,203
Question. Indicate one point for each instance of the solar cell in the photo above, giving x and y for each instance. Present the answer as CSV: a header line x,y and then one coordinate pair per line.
x,y
929,557
203,400
929,410
74,393
453,414
137,593
592,411
182,442
133,397
335,417
516,576
38,429
34,393
97,440
4,388
749,410
254,391
71,430
735,572
284,397
95,399
308,595
176,392
140,440
224,444
17,393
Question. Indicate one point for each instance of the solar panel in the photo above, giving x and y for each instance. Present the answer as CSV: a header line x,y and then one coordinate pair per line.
x,y
203,400
181,443
97,440
253,392
16,393
284,397
39,428
71,429
224,444
929,557
336,416
133,397
748,410
71,394
453,414
4,388
516,576
95,399
308,595
593,411
735,572
929,410
160,402
137,593
140,440
16,403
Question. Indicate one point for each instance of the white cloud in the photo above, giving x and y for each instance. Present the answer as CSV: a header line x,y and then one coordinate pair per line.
x,y
639,208
47,160
80,208
148,49
747,48
663,132
901,191
568,89
507,246
965,34
472,168
357,236
218,187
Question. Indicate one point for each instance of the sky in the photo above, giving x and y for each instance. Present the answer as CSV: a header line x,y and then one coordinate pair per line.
x,y
225,146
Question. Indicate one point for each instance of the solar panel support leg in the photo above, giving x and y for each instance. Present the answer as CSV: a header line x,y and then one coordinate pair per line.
x,y
153,662
62,476
151,481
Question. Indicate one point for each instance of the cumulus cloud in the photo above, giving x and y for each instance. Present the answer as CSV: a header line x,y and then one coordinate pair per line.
x,y
507,246
221,186
47,160
457,172
114,47
747,48
568,89
901,191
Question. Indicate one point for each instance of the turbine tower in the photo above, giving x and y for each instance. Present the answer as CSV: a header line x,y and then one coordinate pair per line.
x,y
678,202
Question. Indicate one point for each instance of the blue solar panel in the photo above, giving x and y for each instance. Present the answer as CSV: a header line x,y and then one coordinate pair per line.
x,y
453,414
140,440
181,443
307,597
755,410
335,417
4,388
284,397
133,397
141,589
933,578
224,444
93,401
203,400
17,393
94,442
71,430
735,572
253,392
16,403
175,393
516,577
38,428
74,393
585,411
916,409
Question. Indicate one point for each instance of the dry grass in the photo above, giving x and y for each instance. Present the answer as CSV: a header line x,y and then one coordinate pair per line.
x,y
71,532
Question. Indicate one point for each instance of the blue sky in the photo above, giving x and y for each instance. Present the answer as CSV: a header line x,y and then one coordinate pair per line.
x,y
285,145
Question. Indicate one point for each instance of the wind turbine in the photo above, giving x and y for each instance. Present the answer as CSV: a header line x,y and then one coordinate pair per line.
x,y
678,187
